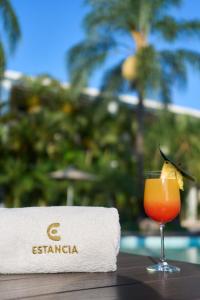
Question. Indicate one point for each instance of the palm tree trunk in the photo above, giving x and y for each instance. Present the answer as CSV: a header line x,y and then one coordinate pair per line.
x,y
140,150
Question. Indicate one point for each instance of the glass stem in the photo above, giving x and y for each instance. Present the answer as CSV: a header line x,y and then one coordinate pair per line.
x,y
162,252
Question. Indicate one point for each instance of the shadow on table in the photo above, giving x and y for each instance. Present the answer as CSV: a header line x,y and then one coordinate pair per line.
x,y
130,288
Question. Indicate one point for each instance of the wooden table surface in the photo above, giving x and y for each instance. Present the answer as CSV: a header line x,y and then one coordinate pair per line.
x,y
131,281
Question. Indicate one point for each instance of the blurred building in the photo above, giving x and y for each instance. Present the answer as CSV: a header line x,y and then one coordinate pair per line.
x,y
11,77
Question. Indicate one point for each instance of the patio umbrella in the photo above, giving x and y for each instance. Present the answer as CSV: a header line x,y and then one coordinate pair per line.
x,y
72,174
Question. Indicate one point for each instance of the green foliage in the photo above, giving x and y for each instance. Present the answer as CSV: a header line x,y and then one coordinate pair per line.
x,y
45,129
171,29
94,51
2,60
147,63
178,136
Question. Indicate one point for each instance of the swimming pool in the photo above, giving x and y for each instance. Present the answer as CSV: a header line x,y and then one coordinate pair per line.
x,y
183,248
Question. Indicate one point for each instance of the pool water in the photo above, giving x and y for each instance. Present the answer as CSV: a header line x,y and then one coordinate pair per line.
x,y
181,248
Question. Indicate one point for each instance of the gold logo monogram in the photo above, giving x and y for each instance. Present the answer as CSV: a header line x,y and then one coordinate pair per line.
x,y
51,232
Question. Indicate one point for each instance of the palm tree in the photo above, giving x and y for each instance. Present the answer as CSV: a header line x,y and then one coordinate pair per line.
x,y
10,26
147,69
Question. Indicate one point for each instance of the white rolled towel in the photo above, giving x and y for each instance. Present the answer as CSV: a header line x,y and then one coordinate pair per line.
x,y
58,239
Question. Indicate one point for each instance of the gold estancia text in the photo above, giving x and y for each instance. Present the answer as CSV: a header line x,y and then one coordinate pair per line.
x,y
55,249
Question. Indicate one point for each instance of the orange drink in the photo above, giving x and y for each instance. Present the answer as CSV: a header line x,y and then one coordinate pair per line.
x,y
162,204
162,199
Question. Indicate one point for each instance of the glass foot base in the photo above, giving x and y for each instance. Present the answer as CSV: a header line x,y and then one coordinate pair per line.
x,y
163,267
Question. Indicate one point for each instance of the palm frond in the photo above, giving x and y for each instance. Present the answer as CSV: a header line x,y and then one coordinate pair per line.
x,y
171,29
174,69
109,14
190,57
170,3
148,69
177,60
174,66
165,89
113,83
161,6
10,23
2,61
84,58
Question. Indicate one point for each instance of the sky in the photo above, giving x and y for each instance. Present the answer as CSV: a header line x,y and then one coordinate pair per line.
x,y
51,27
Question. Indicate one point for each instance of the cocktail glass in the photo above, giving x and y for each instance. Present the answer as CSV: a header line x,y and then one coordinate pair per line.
x,y
162,204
